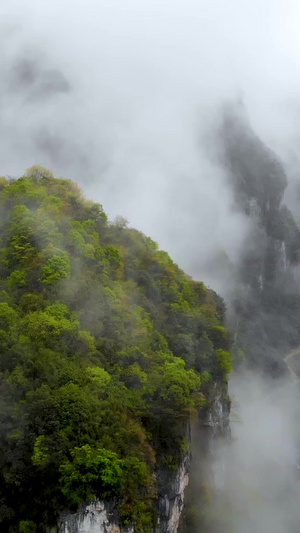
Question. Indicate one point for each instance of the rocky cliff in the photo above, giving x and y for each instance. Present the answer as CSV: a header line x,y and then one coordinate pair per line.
x,y
103,517
107,348
265,308
211,424
211,427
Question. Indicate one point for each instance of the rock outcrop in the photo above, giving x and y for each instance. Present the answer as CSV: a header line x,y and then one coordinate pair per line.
x,y
265,302
212,424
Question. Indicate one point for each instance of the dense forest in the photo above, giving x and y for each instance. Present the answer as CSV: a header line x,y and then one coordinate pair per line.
x,y
107,350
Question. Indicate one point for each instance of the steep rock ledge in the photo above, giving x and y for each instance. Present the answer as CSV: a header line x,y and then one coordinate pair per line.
x,y
212,424
171,501
97,517
100,517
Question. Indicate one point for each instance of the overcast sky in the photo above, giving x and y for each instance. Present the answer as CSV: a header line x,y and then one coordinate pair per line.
x,y
119,95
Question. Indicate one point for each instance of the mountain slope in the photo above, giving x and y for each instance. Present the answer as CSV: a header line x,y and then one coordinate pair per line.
x,y
107,347
266,300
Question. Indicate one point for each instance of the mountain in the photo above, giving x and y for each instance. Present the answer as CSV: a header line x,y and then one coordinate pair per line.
x,y
265,309
250,482
108,353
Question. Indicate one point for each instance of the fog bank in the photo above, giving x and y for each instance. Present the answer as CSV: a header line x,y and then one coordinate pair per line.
x,y
257,473
119,96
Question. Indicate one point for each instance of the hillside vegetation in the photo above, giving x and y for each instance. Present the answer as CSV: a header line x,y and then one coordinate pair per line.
x,y
107,348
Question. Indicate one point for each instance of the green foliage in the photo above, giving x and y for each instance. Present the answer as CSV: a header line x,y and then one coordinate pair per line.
x,y
107,347
225,360
56,268
38,171
205,376
40,451
98,375
3,182
177,384
27,526
91,473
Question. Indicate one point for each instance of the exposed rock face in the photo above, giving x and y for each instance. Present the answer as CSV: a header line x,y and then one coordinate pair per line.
x,y
100,517
265,303
217,416
172,498
93,518
211,426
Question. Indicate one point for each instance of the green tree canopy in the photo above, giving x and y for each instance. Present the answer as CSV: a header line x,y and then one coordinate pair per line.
x,y
106,348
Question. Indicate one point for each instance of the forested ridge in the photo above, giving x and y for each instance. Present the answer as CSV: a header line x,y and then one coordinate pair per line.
x,y
107,349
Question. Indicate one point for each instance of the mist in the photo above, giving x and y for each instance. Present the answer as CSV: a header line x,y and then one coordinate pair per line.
x,y
257,474
126,99
119,97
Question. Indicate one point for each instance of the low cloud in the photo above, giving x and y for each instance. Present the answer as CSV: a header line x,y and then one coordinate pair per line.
x,y
257,473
